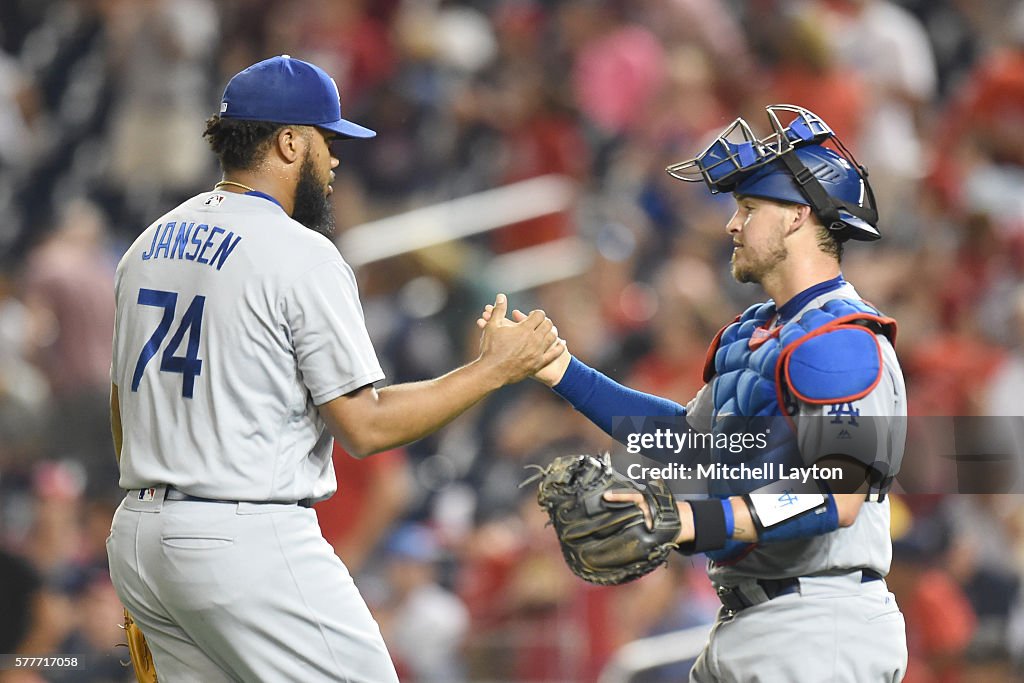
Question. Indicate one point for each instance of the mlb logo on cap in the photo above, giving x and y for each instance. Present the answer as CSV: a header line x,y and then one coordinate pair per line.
x,y
289,91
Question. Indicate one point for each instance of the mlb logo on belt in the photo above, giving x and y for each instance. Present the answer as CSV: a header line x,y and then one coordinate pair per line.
x,y
147,494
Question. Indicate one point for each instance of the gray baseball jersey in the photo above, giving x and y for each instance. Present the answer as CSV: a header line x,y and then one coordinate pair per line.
x,y
835,627
864,544
233,323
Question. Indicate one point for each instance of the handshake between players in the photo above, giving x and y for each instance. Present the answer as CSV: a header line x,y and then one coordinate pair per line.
x,y
519,349
550,373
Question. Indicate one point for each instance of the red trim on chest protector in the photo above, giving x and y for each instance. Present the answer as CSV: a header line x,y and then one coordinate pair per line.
x,y
709,358
761,335
845,322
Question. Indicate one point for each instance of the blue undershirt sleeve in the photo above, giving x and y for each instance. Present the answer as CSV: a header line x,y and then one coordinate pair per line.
x,y
601,398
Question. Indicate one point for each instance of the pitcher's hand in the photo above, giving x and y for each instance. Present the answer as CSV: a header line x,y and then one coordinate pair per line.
x,y
518,349
551,374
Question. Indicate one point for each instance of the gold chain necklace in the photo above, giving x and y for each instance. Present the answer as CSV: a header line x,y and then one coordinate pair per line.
x,y
232,182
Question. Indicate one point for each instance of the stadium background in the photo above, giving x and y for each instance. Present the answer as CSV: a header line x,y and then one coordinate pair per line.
x,y
102,103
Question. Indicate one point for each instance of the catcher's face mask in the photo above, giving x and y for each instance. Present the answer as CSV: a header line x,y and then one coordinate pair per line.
x,y
791,165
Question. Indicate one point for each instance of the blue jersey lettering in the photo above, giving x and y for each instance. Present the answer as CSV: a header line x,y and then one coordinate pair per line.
x,y
165,241
209,243
225,248
181,240
839,410
198,243
149,254
172,240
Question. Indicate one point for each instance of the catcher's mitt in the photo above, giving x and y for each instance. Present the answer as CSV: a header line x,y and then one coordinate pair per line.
x,y
606,542
138,649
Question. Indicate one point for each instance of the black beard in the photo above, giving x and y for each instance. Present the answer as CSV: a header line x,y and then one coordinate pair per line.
x,y
312,206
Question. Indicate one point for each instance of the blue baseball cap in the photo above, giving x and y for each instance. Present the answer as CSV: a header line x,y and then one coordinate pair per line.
x,y
289,91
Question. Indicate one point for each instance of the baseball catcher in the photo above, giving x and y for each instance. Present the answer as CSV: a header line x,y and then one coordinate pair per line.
x,y
791,566
605,540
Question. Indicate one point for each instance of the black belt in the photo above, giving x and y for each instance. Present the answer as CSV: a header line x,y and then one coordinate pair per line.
x,y
735,598
174,494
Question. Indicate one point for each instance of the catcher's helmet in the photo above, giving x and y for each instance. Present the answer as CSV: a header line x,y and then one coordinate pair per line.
x,y
790,165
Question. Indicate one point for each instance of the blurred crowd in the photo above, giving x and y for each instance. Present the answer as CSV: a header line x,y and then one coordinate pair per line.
x,y
102,104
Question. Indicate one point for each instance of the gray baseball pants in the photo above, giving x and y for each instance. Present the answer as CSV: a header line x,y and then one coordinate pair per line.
x,y
241,592
834,630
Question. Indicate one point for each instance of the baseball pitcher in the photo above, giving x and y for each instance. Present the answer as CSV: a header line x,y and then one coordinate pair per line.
x,y
239,350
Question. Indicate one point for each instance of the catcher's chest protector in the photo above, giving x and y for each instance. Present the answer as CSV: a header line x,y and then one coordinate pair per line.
x,y
829,355
752,369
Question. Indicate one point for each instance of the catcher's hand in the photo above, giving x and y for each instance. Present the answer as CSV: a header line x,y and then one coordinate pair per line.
x,y
138,649
606,541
